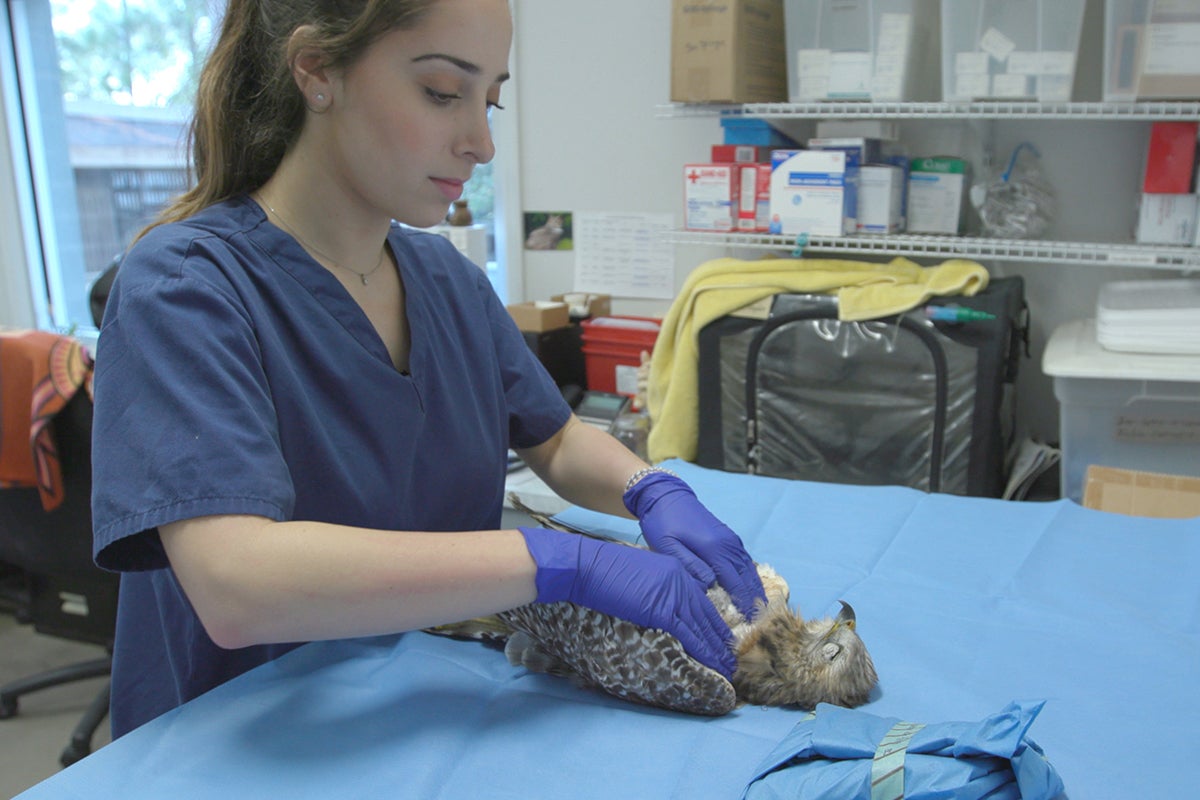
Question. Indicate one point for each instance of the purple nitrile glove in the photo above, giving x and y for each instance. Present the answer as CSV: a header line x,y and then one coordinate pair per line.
x,y
646,588
675,523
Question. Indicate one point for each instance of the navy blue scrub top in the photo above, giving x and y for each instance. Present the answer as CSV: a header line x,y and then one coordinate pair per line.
x,y
235,375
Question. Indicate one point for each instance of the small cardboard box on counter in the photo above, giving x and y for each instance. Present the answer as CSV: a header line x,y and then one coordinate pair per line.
x,y
1141,494
540,315
728,52
582,305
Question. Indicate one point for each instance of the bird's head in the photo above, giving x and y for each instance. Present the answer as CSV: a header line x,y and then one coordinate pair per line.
x,y
784,660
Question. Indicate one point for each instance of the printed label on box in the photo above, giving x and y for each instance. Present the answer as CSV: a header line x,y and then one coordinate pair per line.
x,y
710,197
1157,429
1010,86
808,192
1167,219
813,68
1172,49
935,195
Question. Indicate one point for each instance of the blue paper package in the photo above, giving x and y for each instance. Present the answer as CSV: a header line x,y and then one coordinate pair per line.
x,y
847,753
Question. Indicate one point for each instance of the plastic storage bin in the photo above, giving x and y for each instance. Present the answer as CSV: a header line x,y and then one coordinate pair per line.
x,y
878,50
612,351
1010,49
1151,50
1124,410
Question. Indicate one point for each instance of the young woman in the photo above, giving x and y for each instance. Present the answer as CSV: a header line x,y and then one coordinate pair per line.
x,y
303,410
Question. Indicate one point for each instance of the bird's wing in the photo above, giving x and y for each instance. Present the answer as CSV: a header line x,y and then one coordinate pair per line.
x,y
643,665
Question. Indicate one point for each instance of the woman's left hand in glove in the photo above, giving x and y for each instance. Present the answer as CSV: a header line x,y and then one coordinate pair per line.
x,y
676,523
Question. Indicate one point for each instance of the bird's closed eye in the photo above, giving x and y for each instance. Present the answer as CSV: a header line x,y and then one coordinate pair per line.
x,y
831,651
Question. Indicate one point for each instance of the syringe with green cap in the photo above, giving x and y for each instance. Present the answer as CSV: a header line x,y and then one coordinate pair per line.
x,y
956,314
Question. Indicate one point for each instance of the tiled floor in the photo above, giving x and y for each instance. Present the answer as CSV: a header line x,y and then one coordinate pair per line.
x,y
31,742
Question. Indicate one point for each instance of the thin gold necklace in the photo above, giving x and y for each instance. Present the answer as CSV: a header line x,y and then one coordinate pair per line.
x,y
362,276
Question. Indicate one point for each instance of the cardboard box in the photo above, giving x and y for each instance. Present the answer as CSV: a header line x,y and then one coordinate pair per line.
x,y
728,52
540,315
1167,219
808,192
1141,494
1170,158
710,196
582,305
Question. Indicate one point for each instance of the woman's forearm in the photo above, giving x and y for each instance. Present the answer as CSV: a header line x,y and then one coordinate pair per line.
x,y
256,581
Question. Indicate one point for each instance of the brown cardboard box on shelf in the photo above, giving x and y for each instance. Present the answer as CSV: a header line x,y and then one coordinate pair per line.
x,y
1141,494
728,52
539,316
597,305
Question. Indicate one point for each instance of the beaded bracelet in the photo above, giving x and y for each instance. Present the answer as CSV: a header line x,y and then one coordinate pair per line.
x,y
641,473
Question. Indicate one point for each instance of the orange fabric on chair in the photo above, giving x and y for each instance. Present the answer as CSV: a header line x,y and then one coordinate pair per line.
x,y
39,374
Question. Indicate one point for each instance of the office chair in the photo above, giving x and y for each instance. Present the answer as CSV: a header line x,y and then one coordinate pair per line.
x,y
64,594
68,595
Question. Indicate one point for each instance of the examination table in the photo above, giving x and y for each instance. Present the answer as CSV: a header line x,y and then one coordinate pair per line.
x,y
966,604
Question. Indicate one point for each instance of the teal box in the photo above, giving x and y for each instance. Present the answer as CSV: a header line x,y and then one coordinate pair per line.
x,y
739,130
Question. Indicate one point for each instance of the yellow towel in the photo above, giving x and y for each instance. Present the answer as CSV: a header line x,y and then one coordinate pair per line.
x,y
864,290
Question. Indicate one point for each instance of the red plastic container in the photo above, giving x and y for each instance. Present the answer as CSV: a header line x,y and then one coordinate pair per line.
x,y
612,351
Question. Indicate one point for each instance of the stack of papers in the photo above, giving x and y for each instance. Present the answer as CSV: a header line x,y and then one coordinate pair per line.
x,y
1151,316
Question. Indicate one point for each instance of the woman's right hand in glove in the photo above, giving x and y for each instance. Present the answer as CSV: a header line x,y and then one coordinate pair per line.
x,y
641,586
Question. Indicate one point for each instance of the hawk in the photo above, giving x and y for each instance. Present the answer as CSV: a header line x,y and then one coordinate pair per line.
x,y
782,659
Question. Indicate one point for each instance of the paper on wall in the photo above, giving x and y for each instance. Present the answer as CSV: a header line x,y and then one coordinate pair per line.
x,y
624,254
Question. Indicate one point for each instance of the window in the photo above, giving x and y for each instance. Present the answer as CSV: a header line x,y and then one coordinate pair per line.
x,y
105,90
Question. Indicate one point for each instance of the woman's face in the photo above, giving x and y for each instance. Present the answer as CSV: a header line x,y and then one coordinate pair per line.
x,y
409,119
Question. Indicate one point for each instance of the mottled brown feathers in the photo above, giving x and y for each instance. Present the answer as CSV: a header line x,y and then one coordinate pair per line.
x,y
782,659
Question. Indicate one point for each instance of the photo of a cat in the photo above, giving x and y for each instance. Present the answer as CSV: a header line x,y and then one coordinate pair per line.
x,y
548,230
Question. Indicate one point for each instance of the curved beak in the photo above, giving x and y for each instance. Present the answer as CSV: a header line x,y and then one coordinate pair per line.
x,y
846,615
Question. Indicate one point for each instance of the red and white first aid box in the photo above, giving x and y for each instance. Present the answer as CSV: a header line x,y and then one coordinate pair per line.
x,y
754,198
710,196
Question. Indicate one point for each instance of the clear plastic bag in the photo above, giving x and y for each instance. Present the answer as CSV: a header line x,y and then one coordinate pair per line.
x,y
1017,203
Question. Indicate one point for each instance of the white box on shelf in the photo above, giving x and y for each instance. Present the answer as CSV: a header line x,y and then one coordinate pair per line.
x,y
936,193
1151,50
880,198
879,50
1012,50
1167,219
808,192
1124,410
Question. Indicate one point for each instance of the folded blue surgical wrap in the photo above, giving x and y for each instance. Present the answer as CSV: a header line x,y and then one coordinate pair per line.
x,y
848,754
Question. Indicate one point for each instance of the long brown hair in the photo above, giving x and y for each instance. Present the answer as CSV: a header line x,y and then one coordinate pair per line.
x,y
249,110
